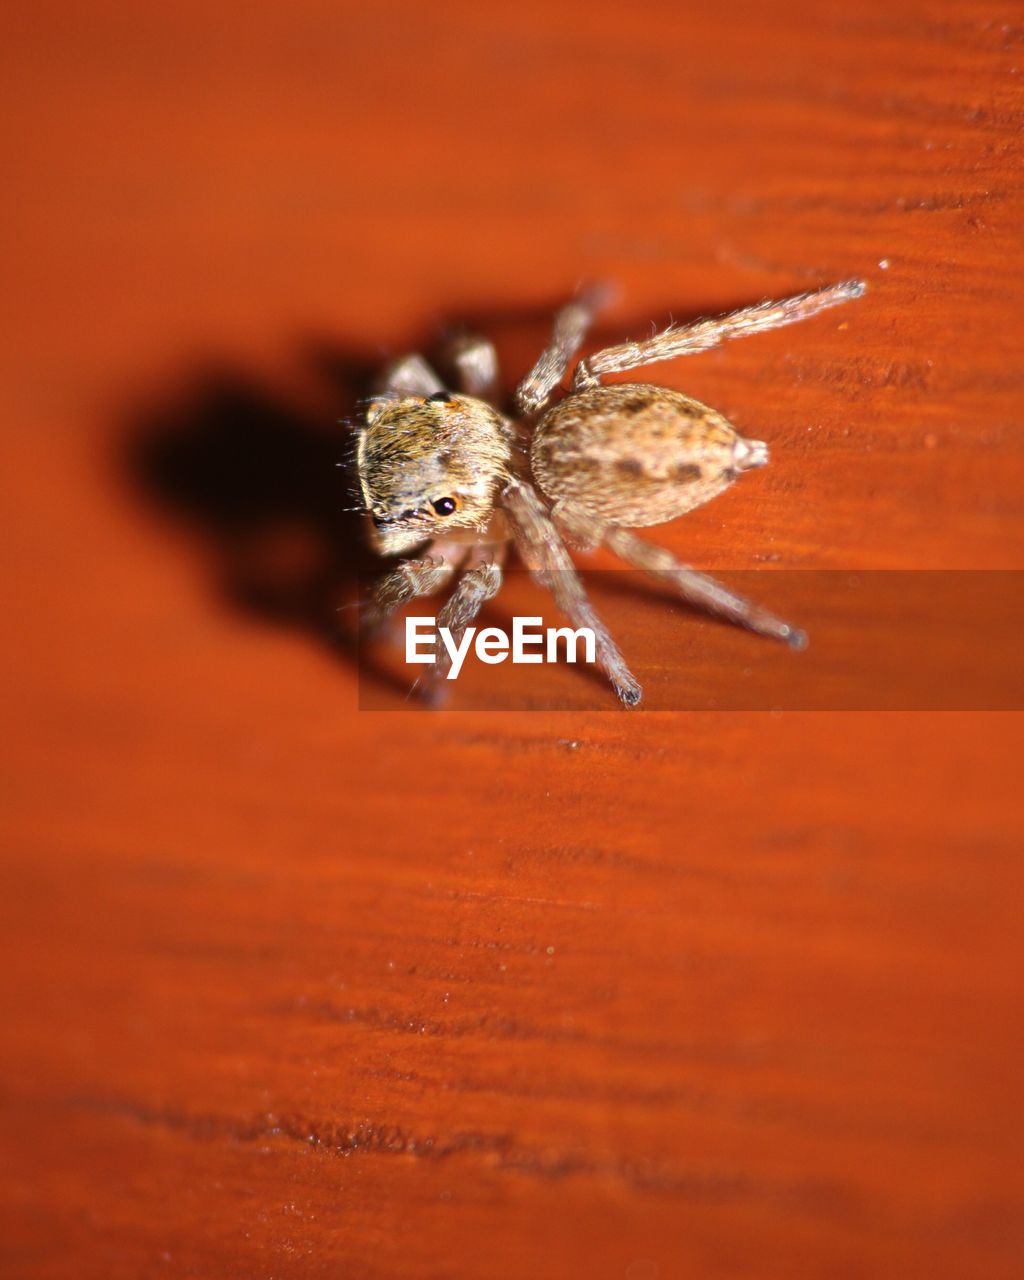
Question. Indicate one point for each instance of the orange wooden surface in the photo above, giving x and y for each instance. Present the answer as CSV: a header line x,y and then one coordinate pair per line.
x,y
292,989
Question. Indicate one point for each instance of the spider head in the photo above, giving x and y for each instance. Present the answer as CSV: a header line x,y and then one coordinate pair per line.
x,y
430,465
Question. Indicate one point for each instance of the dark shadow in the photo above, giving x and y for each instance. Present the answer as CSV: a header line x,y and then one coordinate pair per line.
x,y
266,487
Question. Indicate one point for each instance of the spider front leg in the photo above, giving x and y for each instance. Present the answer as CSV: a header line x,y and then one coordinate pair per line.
x,y
700,589
422,576
476,364
409,375
545,555
702,335
571,325
480,582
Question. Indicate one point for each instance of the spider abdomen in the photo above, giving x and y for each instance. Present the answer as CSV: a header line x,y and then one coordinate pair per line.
x,y
632,454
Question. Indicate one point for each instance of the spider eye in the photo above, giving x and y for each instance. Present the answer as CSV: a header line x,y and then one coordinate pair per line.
x,y
445,506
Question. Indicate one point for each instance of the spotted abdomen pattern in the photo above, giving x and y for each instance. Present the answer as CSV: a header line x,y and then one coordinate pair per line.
x,y
635,455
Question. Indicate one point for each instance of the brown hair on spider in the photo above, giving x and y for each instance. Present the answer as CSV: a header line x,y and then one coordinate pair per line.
x,y
442,473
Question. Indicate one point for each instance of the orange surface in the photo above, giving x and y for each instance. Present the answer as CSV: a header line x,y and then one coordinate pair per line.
x,y
294,989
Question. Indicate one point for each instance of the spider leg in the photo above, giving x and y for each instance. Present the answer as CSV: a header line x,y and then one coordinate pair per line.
x,y
578,529
409,375
476,364
421,576
700,589
702,335
545,555
480,582
570,328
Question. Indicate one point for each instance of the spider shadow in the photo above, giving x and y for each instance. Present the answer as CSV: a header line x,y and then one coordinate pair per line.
x,y
263,485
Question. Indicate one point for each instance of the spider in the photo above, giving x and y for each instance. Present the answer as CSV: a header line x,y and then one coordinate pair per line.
x,y
446,475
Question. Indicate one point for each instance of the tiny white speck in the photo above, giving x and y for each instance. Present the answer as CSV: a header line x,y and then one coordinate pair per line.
x,y
884,264
551,951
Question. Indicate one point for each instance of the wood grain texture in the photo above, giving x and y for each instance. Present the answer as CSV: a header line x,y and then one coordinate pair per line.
x,y
297,990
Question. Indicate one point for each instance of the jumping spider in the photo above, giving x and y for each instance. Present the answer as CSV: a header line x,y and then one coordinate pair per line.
x,y
450,470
